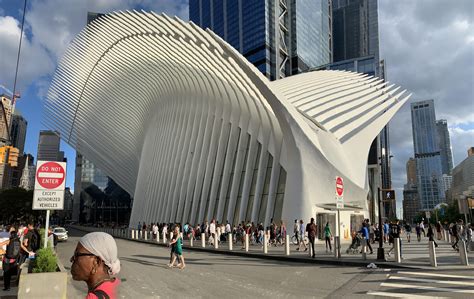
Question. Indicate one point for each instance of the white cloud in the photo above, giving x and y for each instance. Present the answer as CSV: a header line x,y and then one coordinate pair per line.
x,y
34,60
428,47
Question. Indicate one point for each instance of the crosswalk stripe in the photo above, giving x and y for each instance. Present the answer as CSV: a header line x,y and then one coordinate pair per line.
x,y
435,275
466,283
402,295
413,286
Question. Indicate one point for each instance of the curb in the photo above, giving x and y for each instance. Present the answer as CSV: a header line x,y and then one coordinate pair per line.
x,y
283,258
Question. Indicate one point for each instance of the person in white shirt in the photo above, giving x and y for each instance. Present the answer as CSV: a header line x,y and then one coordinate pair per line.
x,y
212,231
155,230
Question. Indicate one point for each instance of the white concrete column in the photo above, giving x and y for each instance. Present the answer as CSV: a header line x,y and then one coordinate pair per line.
x,y
203,240
364,249
463,253
265,244
246,242
432,251
287,244
398,258
229,239
337,247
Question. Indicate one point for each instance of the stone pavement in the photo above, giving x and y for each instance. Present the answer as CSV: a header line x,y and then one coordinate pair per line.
x,y
415,254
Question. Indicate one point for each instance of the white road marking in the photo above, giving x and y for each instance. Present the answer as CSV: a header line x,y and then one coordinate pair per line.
x,y
401,295
465,283
54,175
436,275
413,286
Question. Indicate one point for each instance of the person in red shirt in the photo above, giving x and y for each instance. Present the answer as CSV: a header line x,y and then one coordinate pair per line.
x,y
95,261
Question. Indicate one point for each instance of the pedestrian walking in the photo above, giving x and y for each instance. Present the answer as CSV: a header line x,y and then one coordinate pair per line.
x,y
177,251
301,236
95,261
10,258
296,231
469,236
385,231
408,231
311,230
328,237
418,232
422,227
438,230
365,233
430,235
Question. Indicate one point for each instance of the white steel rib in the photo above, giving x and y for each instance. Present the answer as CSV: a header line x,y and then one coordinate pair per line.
x,y
183,122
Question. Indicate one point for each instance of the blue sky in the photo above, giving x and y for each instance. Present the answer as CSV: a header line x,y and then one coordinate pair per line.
x,y
427,45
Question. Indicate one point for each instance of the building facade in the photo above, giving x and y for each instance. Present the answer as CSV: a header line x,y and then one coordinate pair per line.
x,y
212,137
280,38
48,147
27,180
462,186
427,154
444,144
18,131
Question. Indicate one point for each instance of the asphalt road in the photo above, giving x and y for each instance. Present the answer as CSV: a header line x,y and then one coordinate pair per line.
x,y
144,275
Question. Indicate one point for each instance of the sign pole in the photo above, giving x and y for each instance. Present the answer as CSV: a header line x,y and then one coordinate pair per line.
x,y
46,228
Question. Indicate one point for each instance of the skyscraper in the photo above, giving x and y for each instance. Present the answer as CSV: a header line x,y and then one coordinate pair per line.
x,y
411,171
280,38
427,154
444,143
18,131
355,29
48,147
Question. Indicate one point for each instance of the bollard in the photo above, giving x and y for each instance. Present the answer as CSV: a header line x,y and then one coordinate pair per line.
x,y
432,250
229,239
133,234
398,258
364,249
287,245
265,244
141,234
216,242
164,238
191,241
246,242
445,235
146,235
463,253
158,237
310,251
337,247
449,238
203,240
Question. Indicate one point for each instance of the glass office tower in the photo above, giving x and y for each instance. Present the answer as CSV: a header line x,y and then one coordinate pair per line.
x,y
445,146
280,38
427,154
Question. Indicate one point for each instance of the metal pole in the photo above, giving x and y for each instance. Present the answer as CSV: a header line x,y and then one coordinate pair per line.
x,y
380,250
46,228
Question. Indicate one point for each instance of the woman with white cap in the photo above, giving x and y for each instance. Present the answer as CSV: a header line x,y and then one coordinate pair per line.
x,y
95,261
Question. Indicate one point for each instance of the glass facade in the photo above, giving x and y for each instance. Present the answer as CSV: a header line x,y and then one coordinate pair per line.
x,y
444,146
427,154
278,47
311,39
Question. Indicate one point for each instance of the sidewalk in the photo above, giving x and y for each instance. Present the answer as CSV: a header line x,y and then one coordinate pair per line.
x,y
12,294
415,254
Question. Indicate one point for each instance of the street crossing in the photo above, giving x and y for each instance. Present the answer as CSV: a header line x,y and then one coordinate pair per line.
x,y
414,284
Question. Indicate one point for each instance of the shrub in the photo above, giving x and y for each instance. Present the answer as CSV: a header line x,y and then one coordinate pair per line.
x,y
45,261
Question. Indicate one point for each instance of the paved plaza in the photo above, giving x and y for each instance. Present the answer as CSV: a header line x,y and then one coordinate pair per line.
x,y
208,275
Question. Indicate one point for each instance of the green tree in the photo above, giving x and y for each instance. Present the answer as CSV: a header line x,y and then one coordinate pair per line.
x,y
16,205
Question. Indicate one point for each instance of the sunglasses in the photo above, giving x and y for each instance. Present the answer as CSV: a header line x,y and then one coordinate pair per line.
x,y
79,254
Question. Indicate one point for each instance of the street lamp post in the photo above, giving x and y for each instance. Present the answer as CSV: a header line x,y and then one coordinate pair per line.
x,y
380,250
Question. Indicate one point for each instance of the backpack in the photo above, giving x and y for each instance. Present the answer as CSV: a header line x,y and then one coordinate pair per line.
x,y
13,249
100,294
35,241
